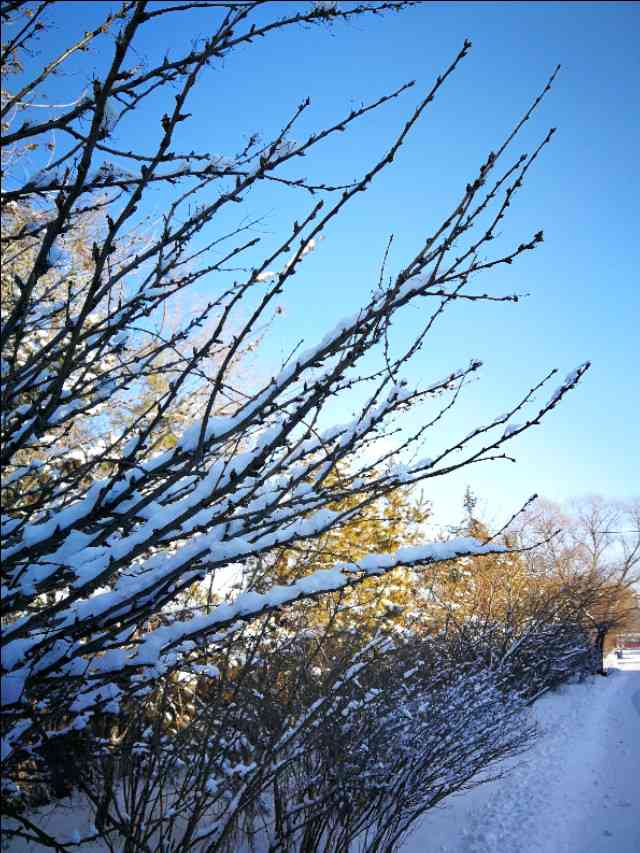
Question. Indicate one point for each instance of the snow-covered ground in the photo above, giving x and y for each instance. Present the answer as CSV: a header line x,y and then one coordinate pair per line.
x,y
576,791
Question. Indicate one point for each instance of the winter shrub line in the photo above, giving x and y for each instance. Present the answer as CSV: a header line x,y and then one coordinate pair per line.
x,y
344,759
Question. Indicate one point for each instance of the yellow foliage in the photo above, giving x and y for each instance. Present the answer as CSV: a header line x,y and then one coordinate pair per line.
x,y
384,525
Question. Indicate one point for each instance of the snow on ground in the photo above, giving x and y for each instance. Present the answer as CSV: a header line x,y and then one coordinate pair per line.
x,y
576,791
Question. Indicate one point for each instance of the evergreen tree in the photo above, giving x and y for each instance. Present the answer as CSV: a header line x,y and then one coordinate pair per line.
x,y
384,525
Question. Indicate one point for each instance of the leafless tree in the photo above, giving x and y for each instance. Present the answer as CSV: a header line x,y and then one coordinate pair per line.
x,y
592,548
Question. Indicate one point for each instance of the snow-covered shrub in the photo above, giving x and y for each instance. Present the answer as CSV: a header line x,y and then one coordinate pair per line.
x,y
549,656
531,657
406,729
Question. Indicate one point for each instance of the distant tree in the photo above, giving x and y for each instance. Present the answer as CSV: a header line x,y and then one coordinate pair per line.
x,y
591,552
492,588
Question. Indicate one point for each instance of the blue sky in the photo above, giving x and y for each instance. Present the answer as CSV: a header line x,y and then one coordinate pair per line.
x,y
584,192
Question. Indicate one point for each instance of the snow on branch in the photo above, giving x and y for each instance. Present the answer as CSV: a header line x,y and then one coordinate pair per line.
x,y
137,458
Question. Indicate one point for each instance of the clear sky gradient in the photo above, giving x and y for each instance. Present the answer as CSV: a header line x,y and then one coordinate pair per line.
x,y
584,301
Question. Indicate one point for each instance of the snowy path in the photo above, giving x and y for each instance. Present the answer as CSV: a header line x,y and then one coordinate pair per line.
x,y
576,791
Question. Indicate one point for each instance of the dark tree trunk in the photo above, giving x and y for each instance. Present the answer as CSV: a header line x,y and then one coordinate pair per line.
x,y
601,634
